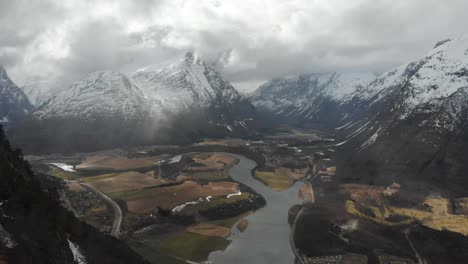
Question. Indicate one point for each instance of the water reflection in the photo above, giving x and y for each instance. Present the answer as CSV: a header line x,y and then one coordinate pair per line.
x,y
266,239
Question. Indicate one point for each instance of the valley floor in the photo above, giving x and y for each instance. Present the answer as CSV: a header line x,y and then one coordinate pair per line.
x,y
180,204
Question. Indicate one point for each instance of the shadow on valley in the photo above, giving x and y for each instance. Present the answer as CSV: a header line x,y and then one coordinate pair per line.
x,y
36,229
71,135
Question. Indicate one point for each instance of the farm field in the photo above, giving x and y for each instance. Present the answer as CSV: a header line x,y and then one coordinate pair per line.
x,y
369,202
280,179
145,200
117,163
127,181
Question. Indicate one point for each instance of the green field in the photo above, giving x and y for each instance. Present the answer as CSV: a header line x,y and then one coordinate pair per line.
x,y
183,245
216,202
210,175
277,180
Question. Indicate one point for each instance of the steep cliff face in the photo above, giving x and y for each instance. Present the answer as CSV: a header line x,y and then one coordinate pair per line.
x,y
14,104
34,228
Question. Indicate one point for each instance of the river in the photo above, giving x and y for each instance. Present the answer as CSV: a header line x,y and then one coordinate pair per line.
x,y
266,239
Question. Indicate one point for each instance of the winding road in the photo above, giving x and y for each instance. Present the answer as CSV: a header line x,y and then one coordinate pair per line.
x,y
291,237
115,231
420,260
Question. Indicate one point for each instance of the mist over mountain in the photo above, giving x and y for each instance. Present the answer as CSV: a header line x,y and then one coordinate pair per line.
x,y
178,103
226,132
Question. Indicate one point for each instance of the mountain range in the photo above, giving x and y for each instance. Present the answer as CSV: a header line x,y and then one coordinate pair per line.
x,y
175,103
309,98
413,122
408,123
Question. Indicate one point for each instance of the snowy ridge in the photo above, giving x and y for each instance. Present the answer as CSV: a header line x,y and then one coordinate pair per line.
x,y
304,95
184,83
441,73
101,94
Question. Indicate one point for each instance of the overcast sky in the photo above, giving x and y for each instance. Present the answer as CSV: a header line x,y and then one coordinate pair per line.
x,y
249,40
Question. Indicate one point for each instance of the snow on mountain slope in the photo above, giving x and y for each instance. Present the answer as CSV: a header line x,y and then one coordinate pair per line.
x,y
306,96
416,123
38,92
14,104
442,72
186,82
190,82
101,94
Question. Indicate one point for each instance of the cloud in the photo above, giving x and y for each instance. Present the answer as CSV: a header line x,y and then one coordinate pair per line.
x,y
248,41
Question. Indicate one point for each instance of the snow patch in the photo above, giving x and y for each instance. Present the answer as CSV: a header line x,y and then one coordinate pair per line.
x,y
77,253
234,194
371,140
6,239
63,166
182,206
175,159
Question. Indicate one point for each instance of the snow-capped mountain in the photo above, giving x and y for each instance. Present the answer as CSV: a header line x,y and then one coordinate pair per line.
x,y
101,94
14,104
309,97
190,82
38,92
176,104
417,119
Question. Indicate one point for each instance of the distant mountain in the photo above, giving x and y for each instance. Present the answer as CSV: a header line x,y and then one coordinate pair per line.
x,y
38,92
176,104
309,98
191,83
14,104
416,127
100,95
35,228
103,110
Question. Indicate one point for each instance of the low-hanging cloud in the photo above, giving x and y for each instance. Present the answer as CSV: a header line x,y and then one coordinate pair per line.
x,y
249,41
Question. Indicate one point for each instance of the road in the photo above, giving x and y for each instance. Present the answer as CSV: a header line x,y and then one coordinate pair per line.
x,y
420,260
306,181
115,231
291,236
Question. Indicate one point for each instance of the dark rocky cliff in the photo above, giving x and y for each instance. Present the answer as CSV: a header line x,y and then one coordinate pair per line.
x,y
35,228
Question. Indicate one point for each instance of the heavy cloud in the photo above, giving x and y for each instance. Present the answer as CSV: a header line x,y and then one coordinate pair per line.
x,y
250,41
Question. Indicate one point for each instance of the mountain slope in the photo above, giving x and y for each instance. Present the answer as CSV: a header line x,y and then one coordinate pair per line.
x,y
103,110
318,98
417,126
34,228
38,92
190,83
102,94
14,104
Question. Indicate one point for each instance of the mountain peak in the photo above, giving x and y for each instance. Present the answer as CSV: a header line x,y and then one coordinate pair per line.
x,y
189,57
442,42
192,58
